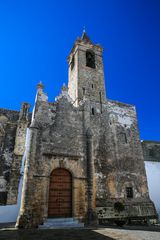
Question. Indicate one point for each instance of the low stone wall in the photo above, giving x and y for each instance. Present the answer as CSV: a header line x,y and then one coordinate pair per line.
x,y
137,210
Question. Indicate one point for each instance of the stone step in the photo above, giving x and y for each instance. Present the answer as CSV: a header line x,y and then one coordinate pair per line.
x,y
60,223
61,219
52,223
78,225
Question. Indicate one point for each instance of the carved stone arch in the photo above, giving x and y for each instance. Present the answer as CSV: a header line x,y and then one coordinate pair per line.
x,y
64,167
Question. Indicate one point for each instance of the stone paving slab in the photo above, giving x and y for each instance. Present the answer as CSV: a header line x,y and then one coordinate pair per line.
x,y
121,234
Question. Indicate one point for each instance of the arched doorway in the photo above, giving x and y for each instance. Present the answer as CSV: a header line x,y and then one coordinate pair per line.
x,y
60,194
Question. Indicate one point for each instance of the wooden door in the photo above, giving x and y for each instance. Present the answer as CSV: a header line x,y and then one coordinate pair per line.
x,y
60,194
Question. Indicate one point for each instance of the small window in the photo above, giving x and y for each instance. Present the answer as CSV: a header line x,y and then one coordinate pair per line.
x,y
92,111
129,192
123,137
90,59
72,63
151,152
92,85
83,90
3,198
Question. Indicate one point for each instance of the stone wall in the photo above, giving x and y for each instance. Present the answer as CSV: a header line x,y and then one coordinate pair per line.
x,y
13,125
129,157
151,150
8,126
57,139
119,162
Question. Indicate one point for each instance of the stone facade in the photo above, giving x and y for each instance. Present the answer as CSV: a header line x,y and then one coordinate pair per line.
x,y
13,125
94,138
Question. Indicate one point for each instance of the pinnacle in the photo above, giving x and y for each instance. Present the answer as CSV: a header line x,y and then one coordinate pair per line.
x,y
40,85
85,37
64,87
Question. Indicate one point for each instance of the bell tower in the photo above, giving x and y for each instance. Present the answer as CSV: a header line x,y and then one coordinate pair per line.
x,y
85,70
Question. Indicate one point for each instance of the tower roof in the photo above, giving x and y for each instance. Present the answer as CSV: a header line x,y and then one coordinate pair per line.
x,y
85,38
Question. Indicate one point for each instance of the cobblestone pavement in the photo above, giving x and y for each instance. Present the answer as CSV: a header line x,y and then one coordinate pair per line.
x,y
102,233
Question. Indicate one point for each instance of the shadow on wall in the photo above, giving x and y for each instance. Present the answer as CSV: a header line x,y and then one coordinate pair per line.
x,y
153,177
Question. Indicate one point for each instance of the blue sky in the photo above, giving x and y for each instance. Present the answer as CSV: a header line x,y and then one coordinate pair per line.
x,y
36,38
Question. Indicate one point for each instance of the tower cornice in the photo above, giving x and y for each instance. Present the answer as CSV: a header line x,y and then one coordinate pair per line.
x,y
97,48
86,42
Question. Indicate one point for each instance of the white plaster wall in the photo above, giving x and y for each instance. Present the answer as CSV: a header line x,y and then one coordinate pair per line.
x,y
153,177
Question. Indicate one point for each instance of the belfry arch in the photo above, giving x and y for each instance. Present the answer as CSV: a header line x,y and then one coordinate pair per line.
x,y
60,194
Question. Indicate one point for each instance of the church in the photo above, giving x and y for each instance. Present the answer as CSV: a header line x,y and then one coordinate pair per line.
x,y
82,154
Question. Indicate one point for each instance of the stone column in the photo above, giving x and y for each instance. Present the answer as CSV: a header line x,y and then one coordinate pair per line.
x,y
92,218
26,218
